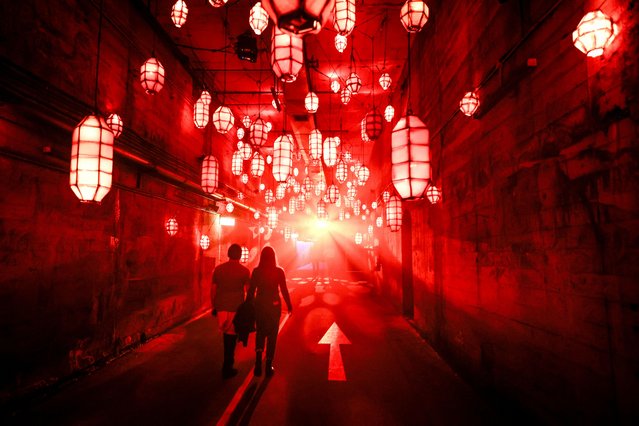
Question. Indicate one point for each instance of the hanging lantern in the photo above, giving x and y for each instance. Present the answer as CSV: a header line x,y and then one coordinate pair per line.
x,y
245,254
205,242
333,193
268,126
152,76
340,44
344,16
218,3
230,207
358,238
311,102
341,214
370,229
308,184
200,114
389,113
469,103
223,119
362,127
246,121
338,140
385,81
410,157
269,198
379,222
345,95
330,152
206,97
282,158
258,19
394,213
244,178
240,133
385,196
374,123
315,144
280,191
374,205
300,203
258,133
321,210
115,124
171,226
296,187
246,151
433,194
237,163
354,83
240,196
210,172
356,207
257,165
179,12
351,193
335,86
287,233
91,169
362,175
272,219
594,33
292,203
341,171
414,14
299,16
287,55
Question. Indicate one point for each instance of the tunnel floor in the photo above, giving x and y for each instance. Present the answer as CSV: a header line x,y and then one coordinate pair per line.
x,y
383,373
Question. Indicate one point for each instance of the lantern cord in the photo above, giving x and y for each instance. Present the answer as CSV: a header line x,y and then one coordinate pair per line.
x,y
385,23
97,64
226,28
409,107
373,70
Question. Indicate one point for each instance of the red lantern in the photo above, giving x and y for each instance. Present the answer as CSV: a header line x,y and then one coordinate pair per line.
x,y
210,172
244,178
351,193
258,19
345,95
315,144
320,186
354,83
240,133
91,159
218,3
341,171
230,207
335,86
200,114
179,11
115,123
257,165
299,16
245,255
258,133
379,221
223,119
282,158
358,238
171,227
237,163
414,15
333,193
330,151
300,203
206,97
246,151
205,242
152,76
287,233
268,196
410,157
433,194
594,33
363,134
374,123
394,213
344,16
385,81
340,45
272,219
246,121
280,191
362,175
469,103
268,126
287,55
292,202
385,196
389,113
311,102
321,210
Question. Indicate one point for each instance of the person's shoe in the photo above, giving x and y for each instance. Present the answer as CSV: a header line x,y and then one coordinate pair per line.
x,y
228,373
269,368
257,371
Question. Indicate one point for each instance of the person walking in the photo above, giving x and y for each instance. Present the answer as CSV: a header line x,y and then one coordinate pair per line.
x,y
230,281
267,281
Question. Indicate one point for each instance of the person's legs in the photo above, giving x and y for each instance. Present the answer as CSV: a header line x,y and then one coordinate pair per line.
x,y
271,343
229,340
260,338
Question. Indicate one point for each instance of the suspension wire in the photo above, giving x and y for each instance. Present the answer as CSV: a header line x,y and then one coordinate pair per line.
x,y
409,108
97,63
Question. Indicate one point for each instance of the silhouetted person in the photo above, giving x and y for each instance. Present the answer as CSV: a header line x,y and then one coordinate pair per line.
x,y
230,280
316,257
268,280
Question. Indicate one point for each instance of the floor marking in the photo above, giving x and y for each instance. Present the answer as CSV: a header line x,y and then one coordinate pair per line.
x,y
335,337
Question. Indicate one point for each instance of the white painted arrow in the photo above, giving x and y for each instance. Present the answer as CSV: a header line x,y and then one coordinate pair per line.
x,y
335,337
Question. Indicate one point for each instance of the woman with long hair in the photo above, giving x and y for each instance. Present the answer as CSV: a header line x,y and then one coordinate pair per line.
x,y
268,280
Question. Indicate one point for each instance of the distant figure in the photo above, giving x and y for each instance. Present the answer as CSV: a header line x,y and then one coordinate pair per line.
x,y
267,279
316,258
230,281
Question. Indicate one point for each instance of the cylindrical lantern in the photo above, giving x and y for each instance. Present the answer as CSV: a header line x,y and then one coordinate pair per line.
x,y
340,44
237,163
257,165
333,193
344,16
282,158
354,83
292,202
433,194
258,133
389,113
410,157
240,133
345,95
320,186
200,114
341,171
308,184
179,12
115,124
356,207
362,126
315,144
414,14
469,103
246,121
300,203
358,238
152,76
205,242
394,213
287,233
269,198
362,175
245,254
385,81
321,210
379,221
246,151
335,86
272,219
210,172
244,178
206,97
91,169
594,33
280,191
299,16
385,196
171,226
351,193
374,125
223,119
287,55
330,152
311,102
258,19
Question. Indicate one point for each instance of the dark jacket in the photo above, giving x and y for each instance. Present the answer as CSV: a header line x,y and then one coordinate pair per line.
x,y
244,321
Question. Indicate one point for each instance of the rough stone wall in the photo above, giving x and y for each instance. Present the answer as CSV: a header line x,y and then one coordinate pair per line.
x,y
525,276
